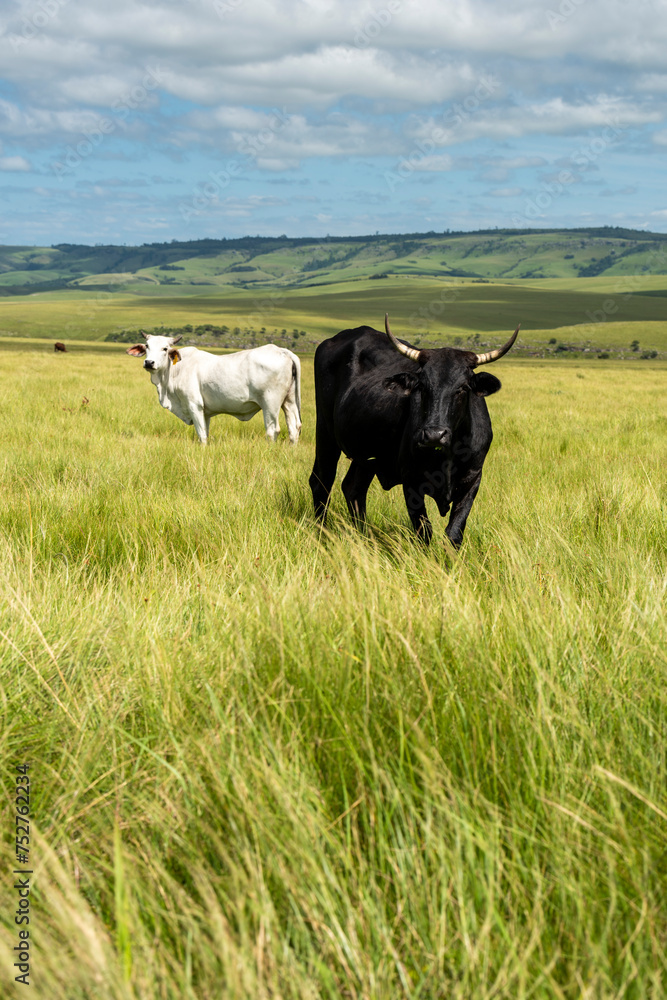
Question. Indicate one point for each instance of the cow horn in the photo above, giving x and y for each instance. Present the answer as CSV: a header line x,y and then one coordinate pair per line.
x,y
144,334
485,359
408,351
175,340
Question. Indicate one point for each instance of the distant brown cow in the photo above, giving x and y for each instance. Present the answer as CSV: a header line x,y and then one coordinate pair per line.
x,y
59,347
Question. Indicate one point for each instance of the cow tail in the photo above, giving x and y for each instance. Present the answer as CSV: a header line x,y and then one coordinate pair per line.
x,y
296,378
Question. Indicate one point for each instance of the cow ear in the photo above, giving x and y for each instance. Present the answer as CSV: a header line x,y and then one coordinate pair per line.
x,y
137,351
402,383
485,384
174,355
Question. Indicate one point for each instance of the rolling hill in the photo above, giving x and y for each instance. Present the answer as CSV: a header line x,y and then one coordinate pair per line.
x,y
262,262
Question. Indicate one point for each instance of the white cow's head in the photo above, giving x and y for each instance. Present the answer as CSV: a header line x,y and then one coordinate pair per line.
x,y
158,352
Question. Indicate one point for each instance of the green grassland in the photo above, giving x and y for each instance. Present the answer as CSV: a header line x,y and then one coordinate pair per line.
x,y
271,761
601,313
592,291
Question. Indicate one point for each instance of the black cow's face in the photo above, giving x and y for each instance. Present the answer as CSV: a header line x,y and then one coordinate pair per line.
x,y
441,386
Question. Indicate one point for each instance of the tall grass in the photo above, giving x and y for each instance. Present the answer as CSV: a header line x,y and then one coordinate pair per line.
x,y
271,761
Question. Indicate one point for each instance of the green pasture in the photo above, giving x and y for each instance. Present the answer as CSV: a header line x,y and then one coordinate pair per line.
x,y
268,760
602,312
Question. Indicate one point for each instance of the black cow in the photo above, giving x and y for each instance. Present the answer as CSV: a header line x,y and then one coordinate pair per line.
x,y
408,416
59,347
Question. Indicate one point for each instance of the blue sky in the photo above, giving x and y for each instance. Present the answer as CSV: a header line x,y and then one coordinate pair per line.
x,y
181,119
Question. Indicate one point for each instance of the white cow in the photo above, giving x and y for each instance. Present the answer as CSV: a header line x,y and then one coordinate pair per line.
x,y
195,385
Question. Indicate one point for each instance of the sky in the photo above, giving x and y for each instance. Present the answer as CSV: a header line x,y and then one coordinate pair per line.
x,y
139,122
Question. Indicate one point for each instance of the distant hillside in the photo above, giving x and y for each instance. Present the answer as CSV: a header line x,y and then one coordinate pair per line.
x,y
263,262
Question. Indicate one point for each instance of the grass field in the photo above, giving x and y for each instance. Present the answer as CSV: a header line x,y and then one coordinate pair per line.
x,y
606,313
268,761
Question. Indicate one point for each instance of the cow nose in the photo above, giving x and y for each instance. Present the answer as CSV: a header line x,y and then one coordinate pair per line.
x,y
435,437
149,364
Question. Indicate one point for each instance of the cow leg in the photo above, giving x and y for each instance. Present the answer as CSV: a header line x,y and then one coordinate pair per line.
x,y
201,422
355,487
462,501
292,419
270,414
323,475
414,501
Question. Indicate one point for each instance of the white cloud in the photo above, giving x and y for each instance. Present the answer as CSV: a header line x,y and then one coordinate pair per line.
x,y
276,165
438,85
277,137
14,163
33,123
653,82
554,116
324,77
430,164
516,162
312,56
